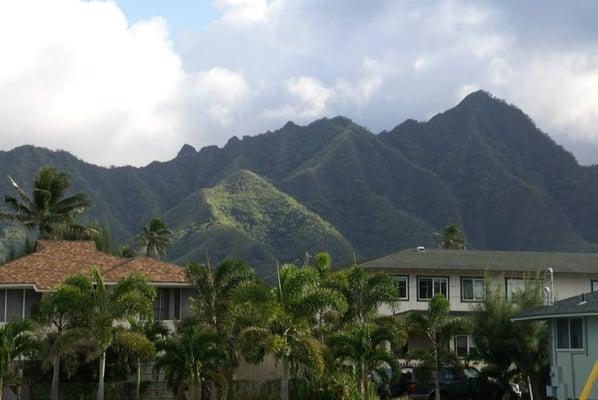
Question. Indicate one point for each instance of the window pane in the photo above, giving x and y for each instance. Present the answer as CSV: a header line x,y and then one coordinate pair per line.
x,y
2,305
402,285
425,288
562,333
177,303
594,286
14,304
514,286
467,287
164,304
479,290
461,345
576,333
440,286
31,297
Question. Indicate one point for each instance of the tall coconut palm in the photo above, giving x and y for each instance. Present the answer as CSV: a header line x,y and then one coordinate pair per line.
x,y
131,298
16,339
194,354
438,327
155,238
229,300
452,238
48,208
367,348
60,311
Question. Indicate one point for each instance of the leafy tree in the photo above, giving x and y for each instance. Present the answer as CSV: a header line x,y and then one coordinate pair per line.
x,y
155,238
452,238
364,348
228,300
47,208
97,231
194,354
510,347
60,311
16,339
438,327
131,298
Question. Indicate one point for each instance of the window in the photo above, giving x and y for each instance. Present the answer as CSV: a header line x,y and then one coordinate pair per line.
x,y
177,303
162,305
472,289
428,287
403,285
463,345
31,298
14,304
594,285
514,286
569,333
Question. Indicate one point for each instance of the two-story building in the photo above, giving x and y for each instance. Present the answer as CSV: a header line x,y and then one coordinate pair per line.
x,y
24,281
463,275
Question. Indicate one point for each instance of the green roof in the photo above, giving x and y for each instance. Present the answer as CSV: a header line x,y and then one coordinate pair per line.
x,y
483,260
582,305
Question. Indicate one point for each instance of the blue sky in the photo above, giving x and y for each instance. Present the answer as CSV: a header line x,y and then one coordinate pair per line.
x,y
181,15
103,77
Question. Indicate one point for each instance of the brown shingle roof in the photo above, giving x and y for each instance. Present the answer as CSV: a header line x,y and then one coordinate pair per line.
x,y
54,261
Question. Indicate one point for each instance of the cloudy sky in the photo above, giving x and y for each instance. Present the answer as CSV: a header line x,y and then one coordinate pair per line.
x,y
130,81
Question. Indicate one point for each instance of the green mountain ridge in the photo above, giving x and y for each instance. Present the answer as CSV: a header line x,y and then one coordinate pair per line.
x,y
482,164
245,216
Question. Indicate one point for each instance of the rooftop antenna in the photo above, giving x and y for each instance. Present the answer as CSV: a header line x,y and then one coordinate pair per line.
x,y
549,289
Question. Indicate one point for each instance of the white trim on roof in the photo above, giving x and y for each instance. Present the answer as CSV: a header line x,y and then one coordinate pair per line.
x,y
551,316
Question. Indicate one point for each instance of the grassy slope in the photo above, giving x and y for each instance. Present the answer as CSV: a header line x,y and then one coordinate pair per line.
x,y
245,216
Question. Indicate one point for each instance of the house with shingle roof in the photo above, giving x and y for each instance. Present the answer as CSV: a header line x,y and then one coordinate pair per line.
x,y
463,275
24,281
573,325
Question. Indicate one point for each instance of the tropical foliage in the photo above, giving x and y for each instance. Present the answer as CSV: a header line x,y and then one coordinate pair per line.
x,y
512,348
48,208
155,238
16,340
438,327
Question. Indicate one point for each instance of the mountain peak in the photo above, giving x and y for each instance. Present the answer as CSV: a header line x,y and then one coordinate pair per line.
x,y
186,150
480,97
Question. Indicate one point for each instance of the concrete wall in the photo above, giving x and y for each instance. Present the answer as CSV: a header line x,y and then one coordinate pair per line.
x,y
571,368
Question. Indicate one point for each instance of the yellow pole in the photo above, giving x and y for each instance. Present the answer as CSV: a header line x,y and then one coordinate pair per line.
x,y
587,389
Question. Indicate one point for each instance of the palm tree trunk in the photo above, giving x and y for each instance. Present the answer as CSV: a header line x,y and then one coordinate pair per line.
x,y
284,380
100,395
436,375
366,388
230,384
55,378
1,387
138,381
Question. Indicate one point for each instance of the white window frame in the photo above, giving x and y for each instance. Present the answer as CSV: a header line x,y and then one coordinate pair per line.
x,y
510,294
473,279
404,278
470,344
583,335
434,279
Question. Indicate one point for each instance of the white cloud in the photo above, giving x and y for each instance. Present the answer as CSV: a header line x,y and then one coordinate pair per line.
x,y
245,12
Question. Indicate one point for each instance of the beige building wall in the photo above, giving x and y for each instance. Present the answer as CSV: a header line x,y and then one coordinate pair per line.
x,y
565,285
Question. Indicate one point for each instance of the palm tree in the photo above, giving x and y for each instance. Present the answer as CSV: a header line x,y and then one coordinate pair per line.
x,y
452,238
438,327
194,354
228,300
364,348
60,310
155,238
299,297
366,292
47,208
16,339
153,330
131,298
